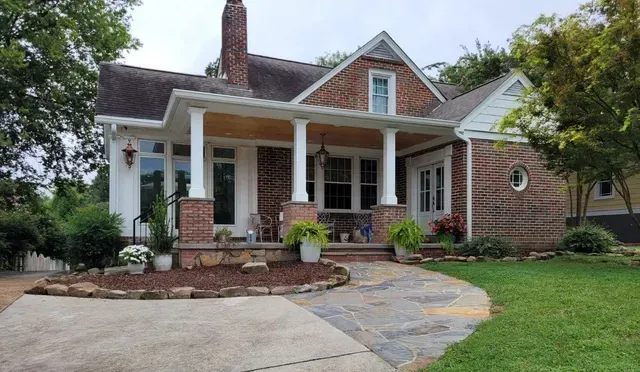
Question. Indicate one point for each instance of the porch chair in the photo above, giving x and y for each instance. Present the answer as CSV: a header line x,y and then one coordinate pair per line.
x,y
261,224
361,220
325,219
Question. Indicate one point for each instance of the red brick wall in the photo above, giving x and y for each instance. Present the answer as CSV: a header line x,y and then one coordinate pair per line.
x,y
383,216
274,180
234,43
298,211
349,89
534,219
196,221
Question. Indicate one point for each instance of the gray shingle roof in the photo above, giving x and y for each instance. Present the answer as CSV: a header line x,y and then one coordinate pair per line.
x,y
449,91
462,105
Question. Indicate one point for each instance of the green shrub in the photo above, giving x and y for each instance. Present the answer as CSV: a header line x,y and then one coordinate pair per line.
x,y
19,233
93,236
161,237
315,233
488,246
407,234
588,238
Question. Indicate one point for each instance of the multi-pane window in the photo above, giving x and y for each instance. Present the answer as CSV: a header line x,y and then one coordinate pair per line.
x,y
152,165
311,178
604,190
380,95
337,183
224,186
368,183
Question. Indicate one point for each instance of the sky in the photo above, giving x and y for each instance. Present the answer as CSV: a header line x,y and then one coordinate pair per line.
x,y
184,35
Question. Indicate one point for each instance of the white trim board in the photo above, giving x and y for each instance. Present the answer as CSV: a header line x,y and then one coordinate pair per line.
x,y
372,44
611,212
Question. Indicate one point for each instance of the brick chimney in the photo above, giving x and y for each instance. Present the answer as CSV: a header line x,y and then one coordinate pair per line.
x,y
234,44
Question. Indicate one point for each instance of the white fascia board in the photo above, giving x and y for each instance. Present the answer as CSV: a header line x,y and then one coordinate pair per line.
x,y
104,119
383,36
287,111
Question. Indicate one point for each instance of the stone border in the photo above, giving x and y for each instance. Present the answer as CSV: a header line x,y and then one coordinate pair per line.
x,y
417,259
340,277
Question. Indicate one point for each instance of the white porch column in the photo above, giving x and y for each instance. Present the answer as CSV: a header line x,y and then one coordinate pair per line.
x,y
197,156
299,160
389,167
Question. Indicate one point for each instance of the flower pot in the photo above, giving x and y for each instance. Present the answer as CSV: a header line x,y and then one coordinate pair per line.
x,y
344,238
400,252
162,262
135,269
308,252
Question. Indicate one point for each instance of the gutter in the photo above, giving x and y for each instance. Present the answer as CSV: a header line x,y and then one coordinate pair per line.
x,y
460,134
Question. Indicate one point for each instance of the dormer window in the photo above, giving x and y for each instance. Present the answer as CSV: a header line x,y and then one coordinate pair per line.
x,y
382,92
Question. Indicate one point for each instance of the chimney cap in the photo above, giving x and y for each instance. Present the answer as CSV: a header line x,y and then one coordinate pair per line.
x,y
235,2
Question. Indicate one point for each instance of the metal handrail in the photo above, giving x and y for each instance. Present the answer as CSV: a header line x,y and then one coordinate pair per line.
x,y
173,199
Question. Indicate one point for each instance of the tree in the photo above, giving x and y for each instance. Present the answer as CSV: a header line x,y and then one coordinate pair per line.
x,y
49,57
473,69
588,66
332,59
212,68
98,191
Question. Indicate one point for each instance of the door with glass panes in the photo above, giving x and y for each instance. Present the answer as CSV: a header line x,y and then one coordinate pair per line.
x,y
430,196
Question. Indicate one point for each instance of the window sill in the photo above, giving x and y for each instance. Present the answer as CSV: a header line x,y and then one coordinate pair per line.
x,y
604,197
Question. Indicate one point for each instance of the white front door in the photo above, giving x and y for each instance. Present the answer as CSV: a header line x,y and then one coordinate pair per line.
x,y
430,196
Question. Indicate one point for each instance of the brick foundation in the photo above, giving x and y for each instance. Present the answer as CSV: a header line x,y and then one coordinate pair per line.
x,y
196,221
383,216
298,211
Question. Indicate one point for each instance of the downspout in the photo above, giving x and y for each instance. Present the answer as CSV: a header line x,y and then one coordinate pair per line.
x,y
113,169
460,134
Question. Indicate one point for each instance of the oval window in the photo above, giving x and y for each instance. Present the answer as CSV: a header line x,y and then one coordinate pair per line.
x,y
519,178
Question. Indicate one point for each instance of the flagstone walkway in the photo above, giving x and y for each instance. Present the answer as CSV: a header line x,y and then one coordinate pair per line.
x,y
405,314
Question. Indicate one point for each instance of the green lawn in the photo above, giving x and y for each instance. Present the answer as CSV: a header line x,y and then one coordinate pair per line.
x,y
573,313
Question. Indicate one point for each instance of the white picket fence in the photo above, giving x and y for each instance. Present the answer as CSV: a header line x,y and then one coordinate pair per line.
x,y
38,262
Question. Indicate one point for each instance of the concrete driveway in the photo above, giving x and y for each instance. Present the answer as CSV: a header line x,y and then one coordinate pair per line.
x,y
13,284
39,333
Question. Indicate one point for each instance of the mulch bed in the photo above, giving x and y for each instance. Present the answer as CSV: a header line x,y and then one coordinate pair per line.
x,y
211,278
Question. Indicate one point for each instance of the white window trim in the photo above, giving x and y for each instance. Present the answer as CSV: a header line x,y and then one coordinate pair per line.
x,y
525,178
598,196
141,155
384,74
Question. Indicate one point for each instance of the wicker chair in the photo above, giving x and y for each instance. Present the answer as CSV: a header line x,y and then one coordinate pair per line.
x,y
325,219
262,224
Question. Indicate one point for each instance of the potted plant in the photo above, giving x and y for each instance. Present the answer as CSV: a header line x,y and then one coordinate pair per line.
x,y
161,237
447,230
223,234
406,236
312,237
136,256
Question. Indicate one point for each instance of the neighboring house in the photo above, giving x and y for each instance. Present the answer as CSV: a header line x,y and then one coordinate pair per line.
x,y
608,209
399,145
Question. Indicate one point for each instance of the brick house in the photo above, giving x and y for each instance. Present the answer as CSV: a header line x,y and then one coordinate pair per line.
x,y
244,142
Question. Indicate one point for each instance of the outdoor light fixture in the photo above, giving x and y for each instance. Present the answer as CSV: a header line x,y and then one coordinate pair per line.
x,y
129,154
322,155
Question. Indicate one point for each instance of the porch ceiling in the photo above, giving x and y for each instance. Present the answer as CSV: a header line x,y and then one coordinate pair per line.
x,y
254,128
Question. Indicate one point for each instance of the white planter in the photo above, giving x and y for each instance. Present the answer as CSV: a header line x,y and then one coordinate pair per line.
x,y
162,262
400,251
135,269
344,238
308,252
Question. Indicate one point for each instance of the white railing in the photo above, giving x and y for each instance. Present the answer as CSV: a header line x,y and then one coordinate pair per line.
x,y
38,262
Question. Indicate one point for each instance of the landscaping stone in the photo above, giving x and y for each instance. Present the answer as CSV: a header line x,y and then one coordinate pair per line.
x,y
154,295
551,254
255,268
180,293
84,289
530,258
283,290
480,258
39,287
338,280
415,257
233,292
94,271
327,262
534,254
628,253
438,259
306,288
509,259
341,270
199,293
100,293
427,260
323,286
134,294
257,291
634,263
56,290
471,259
461,259
81,267
116,294
615,254
450,258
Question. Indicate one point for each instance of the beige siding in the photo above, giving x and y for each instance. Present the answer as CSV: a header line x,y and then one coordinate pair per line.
x,y
616,203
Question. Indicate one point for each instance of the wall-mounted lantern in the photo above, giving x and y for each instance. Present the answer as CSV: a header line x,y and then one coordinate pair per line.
x,y
322,155
129,154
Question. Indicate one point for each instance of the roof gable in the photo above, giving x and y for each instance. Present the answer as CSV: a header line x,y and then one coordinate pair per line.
x,y
381,44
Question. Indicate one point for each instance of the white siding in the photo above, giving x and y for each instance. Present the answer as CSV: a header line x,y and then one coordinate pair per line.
x,y
492,113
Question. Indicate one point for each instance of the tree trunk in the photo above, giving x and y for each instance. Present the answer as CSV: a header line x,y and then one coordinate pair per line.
x,y
570,202
623,190
578,221
587,197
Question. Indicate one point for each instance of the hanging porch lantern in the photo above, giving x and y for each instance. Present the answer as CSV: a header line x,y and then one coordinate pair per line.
x,y
129,154
322,155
